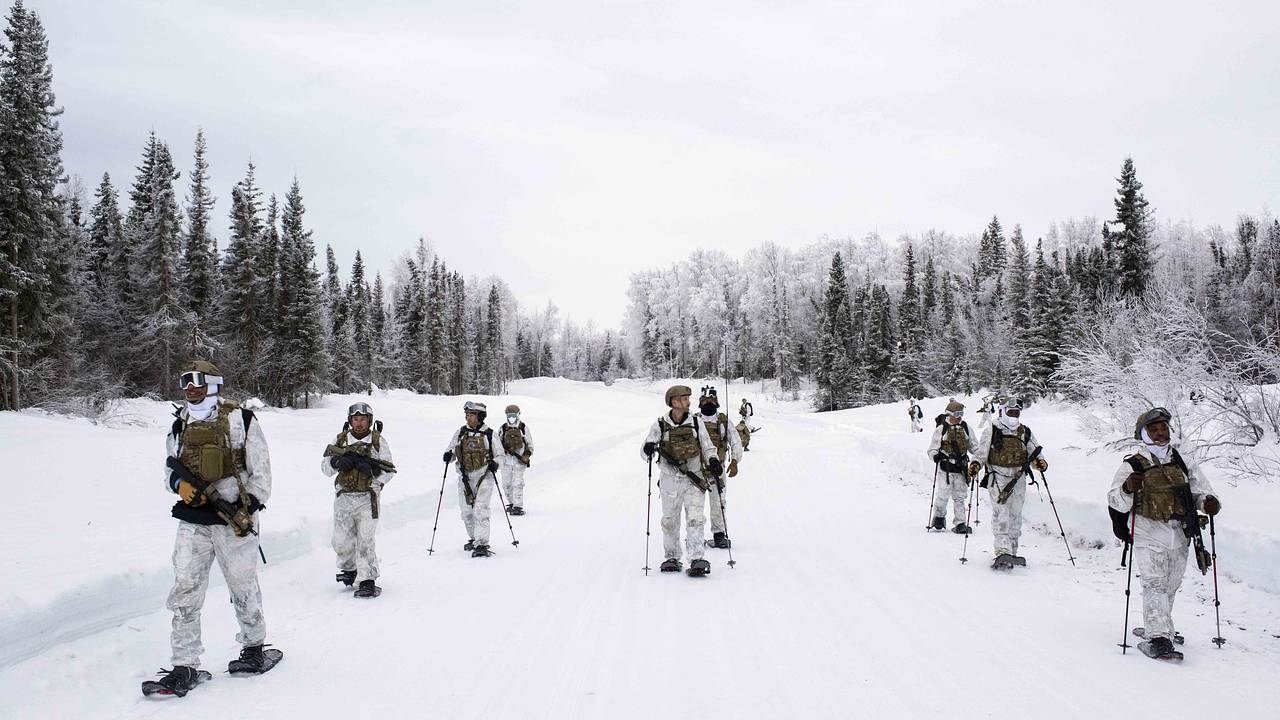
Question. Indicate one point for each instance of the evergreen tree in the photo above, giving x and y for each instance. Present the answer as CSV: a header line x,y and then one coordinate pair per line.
x,y
32,221
243,309
358,301
306,361
1134,255
906,361
159,343
196,282
494,381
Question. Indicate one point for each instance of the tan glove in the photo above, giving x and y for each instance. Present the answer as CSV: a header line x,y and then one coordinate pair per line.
x,y
525,458
733,470
189,494
1133,483
974,467
1041,464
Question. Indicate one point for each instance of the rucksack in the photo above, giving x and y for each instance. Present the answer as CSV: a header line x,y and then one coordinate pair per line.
x,y
1120,520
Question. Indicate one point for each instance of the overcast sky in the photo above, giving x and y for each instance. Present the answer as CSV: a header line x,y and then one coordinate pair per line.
x,y
565,145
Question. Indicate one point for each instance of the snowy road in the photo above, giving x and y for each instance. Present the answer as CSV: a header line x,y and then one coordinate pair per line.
x,y
840,606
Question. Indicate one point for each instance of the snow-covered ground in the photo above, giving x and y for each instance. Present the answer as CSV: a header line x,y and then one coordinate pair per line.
x,y
841,605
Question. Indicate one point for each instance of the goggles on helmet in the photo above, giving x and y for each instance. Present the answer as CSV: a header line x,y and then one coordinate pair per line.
x,y
360,409
195,378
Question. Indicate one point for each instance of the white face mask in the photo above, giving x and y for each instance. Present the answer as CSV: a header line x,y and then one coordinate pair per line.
x,y
1009,422
202,410
1163,453
513,419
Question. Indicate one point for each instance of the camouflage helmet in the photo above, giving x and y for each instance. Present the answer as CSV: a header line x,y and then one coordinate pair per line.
x,y
955,406
475,407
360,408
676,391
1150,417
200,373
709,395
512,410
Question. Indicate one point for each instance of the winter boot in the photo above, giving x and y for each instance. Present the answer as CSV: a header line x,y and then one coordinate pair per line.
x,y
670,565
471,545
1160,648
346,577
720,540
939,523
176,682
962,529
368,589
517,510
509,508
254,660
1003,561
1019,561
698,568
1177,636
481,551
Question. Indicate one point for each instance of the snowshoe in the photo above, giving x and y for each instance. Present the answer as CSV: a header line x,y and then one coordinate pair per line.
x,y
962,529
254,660
367,589
1160,649
719,540
1003,561
346,577
1177,636
698,568
176,682
481,551
1019,561
517,510
670,565
939,524
471,545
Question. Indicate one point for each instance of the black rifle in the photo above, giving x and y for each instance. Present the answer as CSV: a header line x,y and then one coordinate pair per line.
x,y
1191,528
237,516
358,457
695,478
1007,490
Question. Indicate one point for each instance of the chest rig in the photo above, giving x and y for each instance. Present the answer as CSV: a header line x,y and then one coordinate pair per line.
x,y
1009,450
679,441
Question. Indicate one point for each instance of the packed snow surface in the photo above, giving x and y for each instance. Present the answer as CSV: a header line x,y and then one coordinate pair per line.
x,y
841,605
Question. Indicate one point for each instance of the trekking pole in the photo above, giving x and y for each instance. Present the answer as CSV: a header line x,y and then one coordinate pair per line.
x,y
432,548
1217,618
505,514
725,521
1133,519
932,493
977,503
973,490
1045,480
648,514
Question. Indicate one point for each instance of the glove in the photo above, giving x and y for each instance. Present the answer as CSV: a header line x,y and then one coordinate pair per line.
x,y
1133,483
493,466
189,494
649,447
939,457
1040,464
1212,506
733,468
974,467
448,457
715,467
364,467
342,463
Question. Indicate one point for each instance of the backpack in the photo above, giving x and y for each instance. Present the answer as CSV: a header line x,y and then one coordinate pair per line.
x,y
1120,520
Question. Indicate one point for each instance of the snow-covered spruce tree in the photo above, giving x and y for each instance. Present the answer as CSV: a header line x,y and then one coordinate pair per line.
x,y
456,299
32,219
103,322
198,242
304,353
1017,308
361,337
834,374
243,311
906,356
1131,240
437,338
412,317
495,379
158,294
384,373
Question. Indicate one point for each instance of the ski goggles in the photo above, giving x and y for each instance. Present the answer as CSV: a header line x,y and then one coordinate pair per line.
x,y
360,409
1155,415
956,413
1013,412
195,378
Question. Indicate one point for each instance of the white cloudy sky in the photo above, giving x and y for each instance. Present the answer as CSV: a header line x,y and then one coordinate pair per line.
x,y
564,145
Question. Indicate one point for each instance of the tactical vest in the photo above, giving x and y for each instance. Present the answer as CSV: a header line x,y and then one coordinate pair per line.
x,y
353,480
473,452
718,431
206,447
1159,498
513,439
955,440
1009,451
679,441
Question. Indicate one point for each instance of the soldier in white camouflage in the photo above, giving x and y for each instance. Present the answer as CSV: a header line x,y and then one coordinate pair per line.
x,y
728,447
517,448
949,449
678,443
359,461
1008,449
475,449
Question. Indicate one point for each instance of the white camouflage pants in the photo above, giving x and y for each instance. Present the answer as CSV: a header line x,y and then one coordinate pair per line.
x,y
476,518
679,493
353,535
1006,519
194,550
1161,570
513,480
915,425
950,486
716,498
